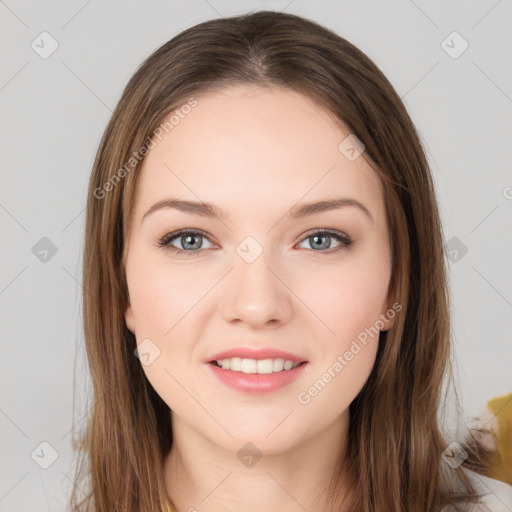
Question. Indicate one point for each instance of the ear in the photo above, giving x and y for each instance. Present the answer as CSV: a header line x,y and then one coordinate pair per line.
x,y
129,318
390,313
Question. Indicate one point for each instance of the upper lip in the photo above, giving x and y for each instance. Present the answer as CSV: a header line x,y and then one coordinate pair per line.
x,y
256,353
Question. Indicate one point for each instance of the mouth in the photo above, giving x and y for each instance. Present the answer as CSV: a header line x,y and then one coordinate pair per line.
x,y
260,367
257,377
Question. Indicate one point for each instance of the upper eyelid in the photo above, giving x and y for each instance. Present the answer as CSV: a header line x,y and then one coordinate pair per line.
x,y
176,234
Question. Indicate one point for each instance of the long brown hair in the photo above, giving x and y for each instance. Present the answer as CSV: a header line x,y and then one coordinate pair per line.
x,y
395,441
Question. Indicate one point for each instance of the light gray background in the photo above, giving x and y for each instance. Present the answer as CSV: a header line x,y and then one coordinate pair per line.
x,y
54,112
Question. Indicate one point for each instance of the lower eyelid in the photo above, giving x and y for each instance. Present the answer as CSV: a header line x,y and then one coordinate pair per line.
x,y
343,240
172,237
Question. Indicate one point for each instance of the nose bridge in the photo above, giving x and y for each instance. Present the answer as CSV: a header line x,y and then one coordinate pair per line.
x,y
256,295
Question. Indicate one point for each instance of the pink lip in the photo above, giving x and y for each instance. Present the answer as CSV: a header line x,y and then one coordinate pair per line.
x,y
253,353
255,383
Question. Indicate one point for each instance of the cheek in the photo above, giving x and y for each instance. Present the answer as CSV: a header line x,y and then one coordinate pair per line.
x,y
349,301
161,295
351,306
163,298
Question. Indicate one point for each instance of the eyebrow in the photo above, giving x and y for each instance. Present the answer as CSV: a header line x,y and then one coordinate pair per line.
x,y
299,211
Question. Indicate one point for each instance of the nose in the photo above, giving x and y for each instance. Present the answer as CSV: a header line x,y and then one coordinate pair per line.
x,y
256,293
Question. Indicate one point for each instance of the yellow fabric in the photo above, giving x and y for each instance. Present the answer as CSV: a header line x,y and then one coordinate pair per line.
x,y
501,458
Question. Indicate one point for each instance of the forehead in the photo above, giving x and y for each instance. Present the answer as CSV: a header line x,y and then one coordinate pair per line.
x,y
245,146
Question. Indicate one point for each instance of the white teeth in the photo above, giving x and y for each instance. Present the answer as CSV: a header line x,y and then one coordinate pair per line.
x,y
226,364
263,366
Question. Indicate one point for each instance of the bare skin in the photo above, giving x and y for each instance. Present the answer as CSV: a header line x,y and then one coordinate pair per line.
x,y
257,153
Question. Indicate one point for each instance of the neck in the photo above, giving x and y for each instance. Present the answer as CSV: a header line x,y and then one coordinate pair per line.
x,y
201,475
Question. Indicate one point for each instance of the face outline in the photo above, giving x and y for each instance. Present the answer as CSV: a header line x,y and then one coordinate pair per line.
x,y
256,153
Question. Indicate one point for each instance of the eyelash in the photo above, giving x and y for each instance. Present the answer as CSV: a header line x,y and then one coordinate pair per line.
x,y
345,241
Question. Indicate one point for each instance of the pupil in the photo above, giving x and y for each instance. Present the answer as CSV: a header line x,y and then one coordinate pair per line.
x,y
316,237
187,239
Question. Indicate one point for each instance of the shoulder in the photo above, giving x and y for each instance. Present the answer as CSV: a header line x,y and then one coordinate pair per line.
x,y
496,495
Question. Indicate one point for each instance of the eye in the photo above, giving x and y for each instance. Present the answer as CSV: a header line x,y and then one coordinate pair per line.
x,y
319,239
190,239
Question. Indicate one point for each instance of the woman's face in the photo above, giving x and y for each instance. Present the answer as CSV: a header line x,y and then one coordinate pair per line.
x,y
257,276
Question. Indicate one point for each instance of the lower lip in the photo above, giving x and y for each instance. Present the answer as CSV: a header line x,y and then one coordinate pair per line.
x,y
257,383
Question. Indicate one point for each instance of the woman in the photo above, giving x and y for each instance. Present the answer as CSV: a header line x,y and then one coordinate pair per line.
x,y
265,300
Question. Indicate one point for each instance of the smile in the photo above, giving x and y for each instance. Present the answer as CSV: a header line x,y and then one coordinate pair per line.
x,y
256,376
